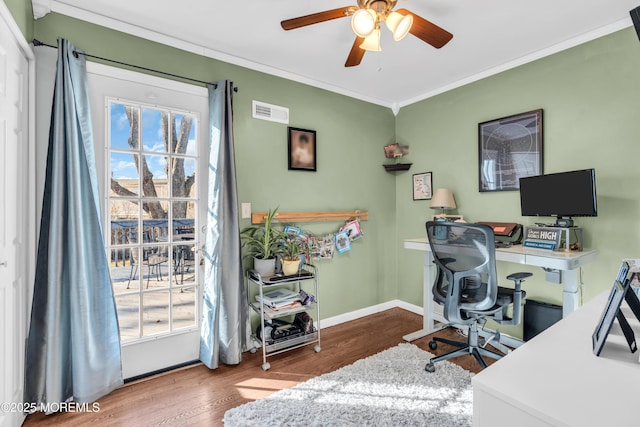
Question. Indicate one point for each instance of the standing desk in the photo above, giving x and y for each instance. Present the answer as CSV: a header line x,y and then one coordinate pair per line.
x,y
568,263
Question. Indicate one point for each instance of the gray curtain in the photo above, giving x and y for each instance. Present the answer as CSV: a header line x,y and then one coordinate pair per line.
x,y
226,328
73,347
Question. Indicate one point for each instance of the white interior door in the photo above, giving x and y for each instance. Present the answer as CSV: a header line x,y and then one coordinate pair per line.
x,y
14,179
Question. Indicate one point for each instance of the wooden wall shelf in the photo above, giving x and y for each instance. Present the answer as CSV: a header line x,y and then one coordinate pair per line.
x,y
293,217
393,167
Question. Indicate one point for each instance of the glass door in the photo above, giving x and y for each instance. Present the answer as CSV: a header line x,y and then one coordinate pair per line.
x,y
153,205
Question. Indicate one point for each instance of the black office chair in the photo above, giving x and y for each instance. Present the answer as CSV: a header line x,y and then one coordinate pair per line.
x,y
466,285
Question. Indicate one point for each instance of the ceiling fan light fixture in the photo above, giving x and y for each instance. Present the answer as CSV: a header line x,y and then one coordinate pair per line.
x,y
363,22
372,41
399,24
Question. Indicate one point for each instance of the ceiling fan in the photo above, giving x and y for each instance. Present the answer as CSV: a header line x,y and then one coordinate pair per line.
x,y
365,22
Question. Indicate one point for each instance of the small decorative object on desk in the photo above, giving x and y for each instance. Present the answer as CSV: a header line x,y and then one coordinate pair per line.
x,y
396,151
553,238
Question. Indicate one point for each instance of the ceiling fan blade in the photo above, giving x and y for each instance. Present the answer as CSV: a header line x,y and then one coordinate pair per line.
x,y
427,31
356,54
315,18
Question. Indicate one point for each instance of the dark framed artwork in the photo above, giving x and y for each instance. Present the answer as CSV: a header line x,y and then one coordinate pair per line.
x,y
509,148
422,188
302,149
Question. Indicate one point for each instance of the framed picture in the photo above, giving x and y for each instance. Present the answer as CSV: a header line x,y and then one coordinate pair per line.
x,y
449,218
343,243
422,186
353,229
390,150
302,149
508,149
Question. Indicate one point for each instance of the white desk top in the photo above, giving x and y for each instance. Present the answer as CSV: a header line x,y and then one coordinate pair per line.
x,y
556,378
519,254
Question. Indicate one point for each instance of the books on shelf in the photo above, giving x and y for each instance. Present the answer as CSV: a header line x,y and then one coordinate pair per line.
x,y
278,299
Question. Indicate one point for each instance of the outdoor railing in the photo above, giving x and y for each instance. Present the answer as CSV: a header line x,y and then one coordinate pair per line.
x,y
125,232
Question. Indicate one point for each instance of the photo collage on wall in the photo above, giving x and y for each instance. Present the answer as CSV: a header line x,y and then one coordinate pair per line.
x,y
326,245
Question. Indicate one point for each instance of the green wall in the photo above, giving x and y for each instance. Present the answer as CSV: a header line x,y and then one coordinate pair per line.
x,y
350,137
590,95
23,15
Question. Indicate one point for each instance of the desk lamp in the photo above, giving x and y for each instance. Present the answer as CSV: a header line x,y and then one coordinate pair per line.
x,y
442,199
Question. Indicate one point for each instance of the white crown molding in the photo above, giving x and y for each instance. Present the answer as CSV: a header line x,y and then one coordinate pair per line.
x,y
40,8
74,12
584,38
145,33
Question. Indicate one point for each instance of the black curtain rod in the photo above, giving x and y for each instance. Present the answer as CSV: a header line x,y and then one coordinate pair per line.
x,y
37,42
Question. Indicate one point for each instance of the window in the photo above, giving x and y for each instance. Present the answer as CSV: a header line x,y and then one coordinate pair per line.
x,y
152,204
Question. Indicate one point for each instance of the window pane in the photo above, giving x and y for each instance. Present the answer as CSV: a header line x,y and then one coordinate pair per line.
x,y
124,175
123,269
183,173
184,214
185,126
153,131
155,312
123,126
156,266
184,260
126,269
184,307
124,221
128,307
154,182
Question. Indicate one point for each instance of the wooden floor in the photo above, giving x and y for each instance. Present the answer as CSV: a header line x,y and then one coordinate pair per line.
x,y
197,396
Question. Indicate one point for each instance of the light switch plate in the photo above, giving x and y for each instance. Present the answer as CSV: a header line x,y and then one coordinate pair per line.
x,y
246,210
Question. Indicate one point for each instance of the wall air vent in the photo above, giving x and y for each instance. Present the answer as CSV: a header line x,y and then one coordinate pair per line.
x,y
273,113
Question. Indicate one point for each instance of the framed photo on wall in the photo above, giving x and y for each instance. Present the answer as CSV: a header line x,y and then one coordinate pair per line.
x,y
509,148
422,188
302,149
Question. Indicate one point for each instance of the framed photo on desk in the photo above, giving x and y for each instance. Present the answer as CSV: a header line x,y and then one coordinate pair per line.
x,y
509,148
448,218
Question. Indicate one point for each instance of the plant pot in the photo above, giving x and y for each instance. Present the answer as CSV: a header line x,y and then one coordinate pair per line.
x,y
290,267
265,267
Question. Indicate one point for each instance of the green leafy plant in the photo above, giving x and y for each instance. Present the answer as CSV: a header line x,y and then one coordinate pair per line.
x,y
292,247
262,240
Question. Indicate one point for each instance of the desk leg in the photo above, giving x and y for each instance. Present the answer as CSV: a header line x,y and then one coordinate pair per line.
x,y
427,300
570,297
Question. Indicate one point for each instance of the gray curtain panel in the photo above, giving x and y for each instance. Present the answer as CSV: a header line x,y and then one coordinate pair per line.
x,y
226,329
73,347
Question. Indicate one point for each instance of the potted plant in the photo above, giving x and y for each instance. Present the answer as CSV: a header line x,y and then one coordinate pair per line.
x,y
262,242
292,247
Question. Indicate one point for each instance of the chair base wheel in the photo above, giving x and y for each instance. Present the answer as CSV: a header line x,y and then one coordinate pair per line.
x,y
433,345
430,367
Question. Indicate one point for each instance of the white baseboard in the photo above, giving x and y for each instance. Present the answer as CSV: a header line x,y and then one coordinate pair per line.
x,y
353,315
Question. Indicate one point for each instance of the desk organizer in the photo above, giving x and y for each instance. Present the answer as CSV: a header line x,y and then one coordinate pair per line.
x,y
553,238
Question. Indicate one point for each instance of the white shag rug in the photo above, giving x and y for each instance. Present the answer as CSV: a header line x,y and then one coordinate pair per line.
x,y
390,388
